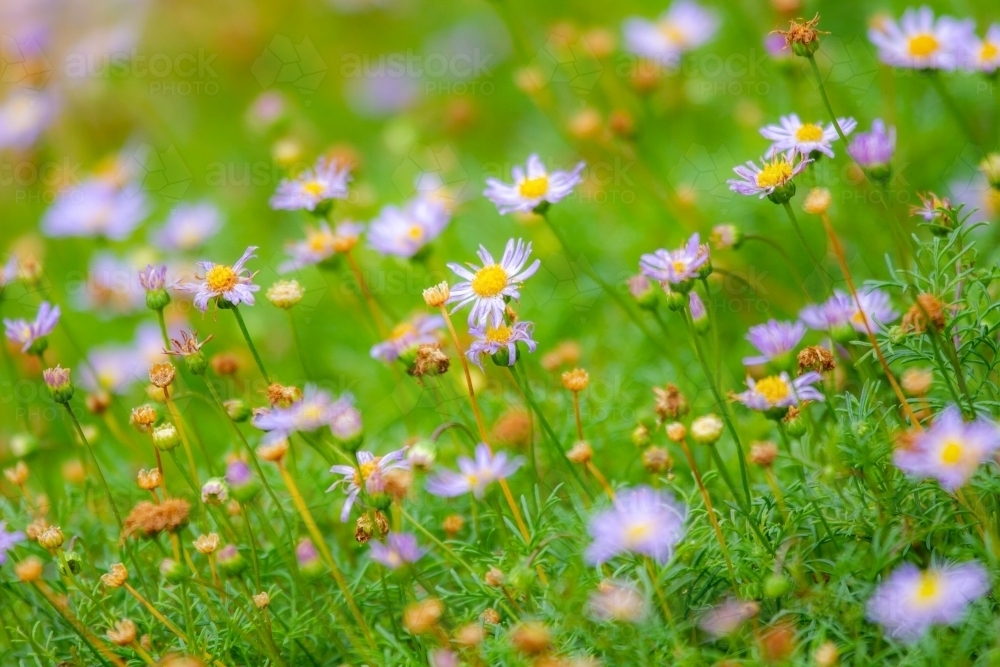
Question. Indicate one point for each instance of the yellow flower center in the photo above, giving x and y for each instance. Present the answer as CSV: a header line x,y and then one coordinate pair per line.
x,y
319,241
773,388
929,588
314,188
472,479
364,471
311,412
923,45
672,33
951,453
680,266
809,132
989,52
774,174
221,278
500,334
531,188
489,281
26,332
637,532
416,232
402,329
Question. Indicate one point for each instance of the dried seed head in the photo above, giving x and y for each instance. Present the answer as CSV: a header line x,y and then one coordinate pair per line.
x,y
531,638
17,474
452,525
98,402
494,577
207,544
656,460
161,375
431,360
470,634
817,201
580,452
262,600
51,538
575,380
282,396
422,617
707,429
123,634
917,381
225,364
927,309
676,431
143,417
116,576
513,428
364,527
275,452
398,483
150,519
490,616
150,479
29,570
670,403
815,358
437,295
36,528
802,37
763,454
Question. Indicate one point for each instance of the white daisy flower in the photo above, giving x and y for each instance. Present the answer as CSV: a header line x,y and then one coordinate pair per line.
x,y
488,287
231,283
772,175
794,135
919,41
532,186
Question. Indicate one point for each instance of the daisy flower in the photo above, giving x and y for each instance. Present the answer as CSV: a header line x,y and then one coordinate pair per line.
x,y
321,244
113,368
368,475
686,25
772,179
834,313
641,520
96,208
618,601
407,337
727,617
30,335
311,412
223,282
911,600
488,287
919,41
8,540
492,340
676,267
532,187
474,475
874,150
23,117
791,134
398,550
984,54
188,226
312,188
875,308
404,232
778,392
775,340
950,450
113,286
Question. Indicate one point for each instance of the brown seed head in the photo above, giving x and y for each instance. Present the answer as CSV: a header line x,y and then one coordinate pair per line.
x,y
262,600
927,309
437,295
161,375
531,638
275,452
470,634
116,576
917,381
282,396
17,474
207,543
494,577
29,570
815,358
676,431
513,428
670,403
143,417
51,538
36,528
225,364
802,33
150,479
763,454
150,519
580,452
490,616
656,459
452,525
123,634
422,617
431,360
576,380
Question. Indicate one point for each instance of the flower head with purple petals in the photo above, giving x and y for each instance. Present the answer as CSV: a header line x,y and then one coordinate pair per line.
x,y
188,226
874,149
983,55
676,267
321,244
233,284
313,187
405,231
398,550
367,476
777,392
31,334
911,600
310,413
96,208
23,117
642,520
773,174
920,42
475,474
490,340
686,25
488,287
8,540
950,450
532,187
775,340
791,134
407,337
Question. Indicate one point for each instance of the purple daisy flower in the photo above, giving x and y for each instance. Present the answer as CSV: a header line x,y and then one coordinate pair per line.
x,y
398,550
642,520
8,540
188,226
873,150
113,286
368,475
232,283
96,208
404,232
321,243
407,336
474,474
911,600
779,391
310,413
113,368
775,340
686,25
791,134
490,340
775,172
488,287
26,334
153,278
950,450
532,187
833,313
238,473
313,187
676,266
983,55
920,42
875,308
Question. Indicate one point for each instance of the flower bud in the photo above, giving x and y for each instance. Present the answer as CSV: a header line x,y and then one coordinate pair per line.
x,y
206,544
707,429
238,410
150,479
421,455
231,563
285,294
116,576
640,435
776,585
817,201
580,452
643,291
58,383
726,236
172,571
243,485
452,525
165,437
71,563
575,380
162,375
51,538
123,634
763,454
308,558
143,417
437,295
656,460
262,600
494,578
214,492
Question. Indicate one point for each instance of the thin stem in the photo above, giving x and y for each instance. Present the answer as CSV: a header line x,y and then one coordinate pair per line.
x,y
97,466
576,413
708,507
369,300
175,415
805,244
163,329
465,369
253,350
96,645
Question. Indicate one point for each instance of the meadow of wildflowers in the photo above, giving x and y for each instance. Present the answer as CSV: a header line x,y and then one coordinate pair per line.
x,y
390,332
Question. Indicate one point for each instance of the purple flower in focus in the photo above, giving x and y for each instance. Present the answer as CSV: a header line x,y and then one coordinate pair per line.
x,y
490,340
474,475
773,173
409,335
642,520
950,450
676,266
791,134
323,183
399,549
779,391
910,601
26,334
8,540
369,473
774,340
488,287
231,283
874,149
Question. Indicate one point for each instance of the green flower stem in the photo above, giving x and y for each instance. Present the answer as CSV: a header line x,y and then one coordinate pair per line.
x,y
802,239
163,329
253,350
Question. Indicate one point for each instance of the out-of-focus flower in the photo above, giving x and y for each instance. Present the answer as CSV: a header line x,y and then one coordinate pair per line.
x,y
641,520
950,450
8,540
312,411
727,617
910,601
405,231
407,337
368,475
532,187
983,55
919,41
489,287
321,244
398,550
112,368
233,284
792,135
474,475
96,208
772,179
677,267
500,342
873,151
618,601
285,294
32,334
265,111
777,392
214,492
24,115
775,340
840,310
188,226
686,25
313,188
